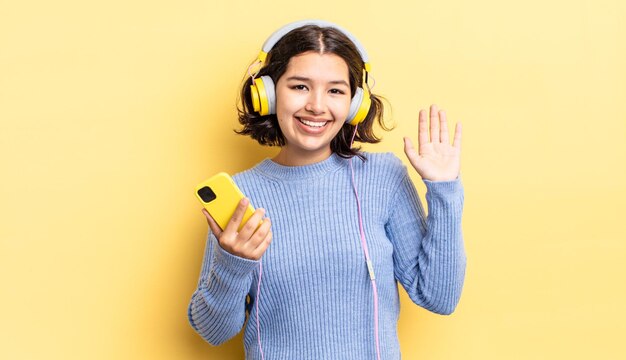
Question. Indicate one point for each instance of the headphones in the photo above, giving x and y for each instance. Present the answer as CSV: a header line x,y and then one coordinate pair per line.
x,y
263,91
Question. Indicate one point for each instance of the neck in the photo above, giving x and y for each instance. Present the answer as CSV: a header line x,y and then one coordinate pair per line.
x,y
294,157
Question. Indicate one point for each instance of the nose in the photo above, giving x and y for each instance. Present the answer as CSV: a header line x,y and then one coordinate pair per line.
x,y
315,103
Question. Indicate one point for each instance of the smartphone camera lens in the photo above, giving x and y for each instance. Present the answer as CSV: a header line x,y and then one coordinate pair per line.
x,y
206,194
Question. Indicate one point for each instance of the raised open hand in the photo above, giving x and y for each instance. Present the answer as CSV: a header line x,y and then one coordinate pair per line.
x,y
435,159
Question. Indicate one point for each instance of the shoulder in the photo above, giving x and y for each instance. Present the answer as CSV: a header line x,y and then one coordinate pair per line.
x,y
244,176
248,176
250,180
386,163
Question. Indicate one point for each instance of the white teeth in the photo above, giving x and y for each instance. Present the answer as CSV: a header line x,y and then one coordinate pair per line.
x,y
312,123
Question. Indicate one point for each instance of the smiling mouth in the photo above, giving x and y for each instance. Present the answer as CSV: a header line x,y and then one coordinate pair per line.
x,y
313,124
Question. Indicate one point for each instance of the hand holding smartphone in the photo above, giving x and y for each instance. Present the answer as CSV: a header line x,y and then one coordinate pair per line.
x,y
220,196
239,228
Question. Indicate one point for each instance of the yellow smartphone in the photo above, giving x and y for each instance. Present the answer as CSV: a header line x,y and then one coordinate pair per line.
x,y
220,196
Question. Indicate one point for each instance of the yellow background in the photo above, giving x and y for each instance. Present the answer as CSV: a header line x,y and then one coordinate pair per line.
x,y
112,111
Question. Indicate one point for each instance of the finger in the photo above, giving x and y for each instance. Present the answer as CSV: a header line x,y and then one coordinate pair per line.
x,y
235,220
434,123
215,229
422,131
260,250
409,150
261,233
457,136
443,121
248,229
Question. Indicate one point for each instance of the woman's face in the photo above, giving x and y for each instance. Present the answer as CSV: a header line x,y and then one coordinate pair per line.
x,y
312,103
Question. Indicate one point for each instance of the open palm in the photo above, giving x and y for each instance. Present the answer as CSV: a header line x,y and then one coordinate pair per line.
x,y
435,159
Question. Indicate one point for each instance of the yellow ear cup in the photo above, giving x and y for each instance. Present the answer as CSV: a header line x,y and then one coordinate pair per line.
x,y
364,108
259,97
263,93
359,106
254,95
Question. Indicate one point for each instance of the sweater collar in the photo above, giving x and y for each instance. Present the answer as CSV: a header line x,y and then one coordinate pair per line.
x,y
272,169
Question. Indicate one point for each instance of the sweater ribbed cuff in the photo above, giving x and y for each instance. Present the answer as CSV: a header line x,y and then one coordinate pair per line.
x,y
444,188
232,264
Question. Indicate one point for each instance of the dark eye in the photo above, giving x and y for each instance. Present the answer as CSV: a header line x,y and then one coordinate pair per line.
x,y
299,87
337,91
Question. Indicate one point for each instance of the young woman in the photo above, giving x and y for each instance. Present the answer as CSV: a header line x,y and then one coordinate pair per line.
x,y
340,228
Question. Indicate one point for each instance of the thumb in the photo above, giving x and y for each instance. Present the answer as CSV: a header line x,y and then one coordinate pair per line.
x,y
411,154
409,150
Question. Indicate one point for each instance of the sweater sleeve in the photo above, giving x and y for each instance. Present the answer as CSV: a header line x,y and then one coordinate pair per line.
x,y
217,307
429,255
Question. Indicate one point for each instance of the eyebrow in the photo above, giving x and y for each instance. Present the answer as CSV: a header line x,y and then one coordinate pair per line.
x,y
302,78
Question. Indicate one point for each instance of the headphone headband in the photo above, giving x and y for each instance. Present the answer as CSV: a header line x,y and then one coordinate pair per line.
x,y
278,34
